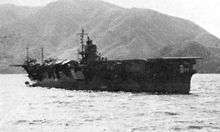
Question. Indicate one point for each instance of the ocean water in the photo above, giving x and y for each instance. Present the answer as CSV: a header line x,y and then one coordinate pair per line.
x,y
28,109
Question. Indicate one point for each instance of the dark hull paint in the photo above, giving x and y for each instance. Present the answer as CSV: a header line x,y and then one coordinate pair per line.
x,y
126,86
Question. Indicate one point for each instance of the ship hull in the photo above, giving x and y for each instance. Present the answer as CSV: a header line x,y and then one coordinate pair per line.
x,y
154,76
125,86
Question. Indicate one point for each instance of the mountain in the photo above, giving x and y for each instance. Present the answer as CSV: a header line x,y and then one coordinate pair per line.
x,y
10,13
118,32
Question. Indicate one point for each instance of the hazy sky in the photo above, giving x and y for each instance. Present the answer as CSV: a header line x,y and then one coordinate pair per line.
x,y
206,13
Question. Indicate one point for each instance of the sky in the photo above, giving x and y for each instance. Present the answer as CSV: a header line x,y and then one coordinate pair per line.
x,y
205,13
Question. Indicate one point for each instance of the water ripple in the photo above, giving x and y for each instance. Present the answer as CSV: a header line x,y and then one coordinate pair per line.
x,y
39,109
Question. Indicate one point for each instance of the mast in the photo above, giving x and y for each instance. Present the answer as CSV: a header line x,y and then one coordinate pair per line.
x,y
82,39
82,34
27,54
42,55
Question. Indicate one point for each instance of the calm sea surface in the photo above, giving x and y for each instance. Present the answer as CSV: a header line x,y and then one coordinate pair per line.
x,y
26,109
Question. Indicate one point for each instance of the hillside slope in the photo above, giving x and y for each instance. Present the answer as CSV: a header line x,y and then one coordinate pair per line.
x,y
119,33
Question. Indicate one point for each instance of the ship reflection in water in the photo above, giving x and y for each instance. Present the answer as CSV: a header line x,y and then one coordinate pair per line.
x,y
31,109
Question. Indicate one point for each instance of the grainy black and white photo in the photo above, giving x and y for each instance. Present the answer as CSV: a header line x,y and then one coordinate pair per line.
x,y
109,65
